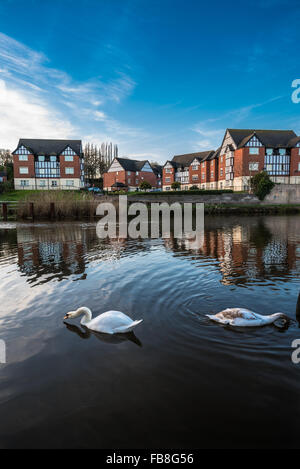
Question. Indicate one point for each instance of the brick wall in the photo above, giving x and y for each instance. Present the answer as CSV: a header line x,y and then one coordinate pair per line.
x,y
25,164
295,161
69,164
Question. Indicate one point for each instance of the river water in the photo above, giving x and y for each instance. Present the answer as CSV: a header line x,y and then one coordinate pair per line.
x,y
181,381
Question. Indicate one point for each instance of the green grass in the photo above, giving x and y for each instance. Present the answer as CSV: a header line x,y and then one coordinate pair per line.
x,y
22,195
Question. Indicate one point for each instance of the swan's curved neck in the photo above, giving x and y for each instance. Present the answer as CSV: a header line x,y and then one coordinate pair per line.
x,y
276,316
87,314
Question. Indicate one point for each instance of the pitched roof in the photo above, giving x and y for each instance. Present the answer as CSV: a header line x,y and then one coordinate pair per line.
x,y
268,138
157,169
186,160
49,147
131,165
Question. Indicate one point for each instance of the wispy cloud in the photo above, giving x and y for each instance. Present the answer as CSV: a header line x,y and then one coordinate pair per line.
x,y
38,98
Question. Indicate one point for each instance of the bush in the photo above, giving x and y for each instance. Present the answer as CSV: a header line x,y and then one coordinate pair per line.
x,y
6,186
175,185
194,188
261,184
145,185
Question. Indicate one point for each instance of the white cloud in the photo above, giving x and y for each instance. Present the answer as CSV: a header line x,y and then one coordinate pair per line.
x,y
23,116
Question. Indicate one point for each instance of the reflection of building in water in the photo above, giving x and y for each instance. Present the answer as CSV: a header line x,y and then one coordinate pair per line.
x,y
253,248
58,251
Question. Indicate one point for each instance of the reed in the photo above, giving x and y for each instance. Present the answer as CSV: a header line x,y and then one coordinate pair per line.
x,y
67,205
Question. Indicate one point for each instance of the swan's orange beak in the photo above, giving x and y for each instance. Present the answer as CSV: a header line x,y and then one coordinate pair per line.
x,y
66,316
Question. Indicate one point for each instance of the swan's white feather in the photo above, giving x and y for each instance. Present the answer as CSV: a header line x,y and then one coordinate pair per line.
x,y
242,317
111,322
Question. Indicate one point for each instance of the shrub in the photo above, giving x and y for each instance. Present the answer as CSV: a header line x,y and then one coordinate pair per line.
x,y
144,185
194,188
6,186
175,185
261,184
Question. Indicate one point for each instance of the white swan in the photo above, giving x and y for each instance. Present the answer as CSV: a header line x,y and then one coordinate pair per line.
x,y
111,322
244,318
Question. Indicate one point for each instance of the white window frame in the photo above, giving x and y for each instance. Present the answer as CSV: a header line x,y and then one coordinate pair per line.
x,y
253,150
23,157
70,182
254,166
69,158
69,170
23,170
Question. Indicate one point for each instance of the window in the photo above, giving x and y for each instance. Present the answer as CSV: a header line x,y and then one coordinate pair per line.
x,y
54,183
298,166
42,183
168,179
203,175
194,167
53,171
23,157
24,182
254,151
129,180
23,170
169,170
222,159
41,158
269,151
298,151
211,174
282,151
221,172
137,173
69,170
253,166
70,182
128,173
53,158
69,158
194,177
136,181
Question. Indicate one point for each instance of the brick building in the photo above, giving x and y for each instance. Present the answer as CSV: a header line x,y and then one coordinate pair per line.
x,y
242,154
128,174
48,164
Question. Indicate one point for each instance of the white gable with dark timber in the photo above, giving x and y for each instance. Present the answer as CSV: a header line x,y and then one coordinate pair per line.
x,y
254,142
115,166
228,140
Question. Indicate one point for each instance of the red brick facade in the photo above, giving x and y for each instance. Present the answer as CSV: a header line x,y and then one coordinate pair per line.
x,y
23,164
131,179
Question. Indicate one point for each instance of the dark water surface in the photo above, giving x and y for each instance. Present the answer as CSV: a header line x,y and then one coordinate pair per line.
x,y
182,382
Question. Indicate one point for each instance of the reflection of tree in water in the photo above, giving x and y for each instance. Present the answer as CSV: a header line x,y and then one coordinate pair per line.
x,y
260,235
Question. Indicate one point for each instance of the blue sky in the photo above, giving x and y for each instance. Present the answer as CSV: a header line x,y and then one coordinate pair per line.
x,y
156,77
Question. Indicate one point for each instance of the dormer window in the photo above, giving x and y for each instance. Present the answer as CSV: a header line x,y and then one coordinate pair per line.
x,y
282,151
41,157
269,151
253,151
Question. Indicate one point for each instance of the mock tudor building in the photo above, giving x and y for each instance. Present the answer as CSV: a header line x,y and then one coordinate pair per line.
x,y
245,152
188,170
242,154
127,174
48,164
